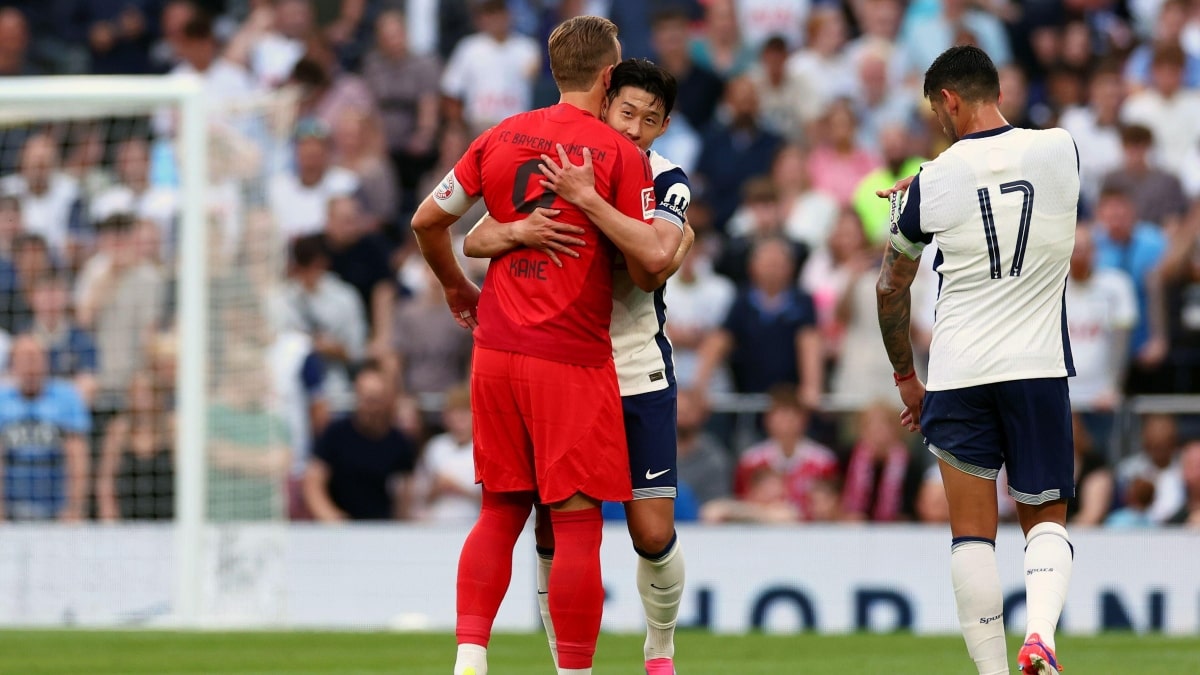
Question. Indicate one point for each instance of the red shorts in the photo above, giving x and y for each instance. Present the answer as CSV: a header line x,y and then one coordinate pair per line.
x,y
552,427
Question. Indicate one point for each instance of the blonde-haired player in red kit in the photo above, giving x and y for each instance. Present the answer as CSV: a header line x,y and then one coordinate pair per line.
x,y
548,419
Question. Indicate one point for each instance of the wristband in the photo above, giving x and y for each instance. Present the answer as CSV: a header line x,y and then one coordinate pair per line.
x,y
905,378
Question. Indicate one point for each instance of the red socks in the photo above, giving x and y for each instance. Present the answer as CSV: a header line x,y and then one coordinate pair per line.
x,y
576,589
485,565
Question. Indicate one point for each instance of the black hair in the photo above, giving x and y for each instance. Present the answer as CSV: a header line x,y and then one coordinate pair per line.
x,y
965,70
310,73
117,223
671,14
199,27
308,250
644,74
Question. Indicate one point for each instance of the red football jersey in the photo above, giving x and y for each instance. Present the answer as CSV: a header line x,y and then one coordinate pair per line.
x,y
528,305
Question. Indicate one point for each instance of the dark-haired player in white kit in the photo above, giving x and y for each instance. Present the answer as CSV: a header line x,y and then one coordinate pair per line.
x,y
641,96
1000,204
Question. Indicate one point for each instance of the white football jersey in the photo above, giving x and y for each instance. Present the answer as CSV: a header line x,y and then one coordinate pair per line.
x,y
641,349
1001,206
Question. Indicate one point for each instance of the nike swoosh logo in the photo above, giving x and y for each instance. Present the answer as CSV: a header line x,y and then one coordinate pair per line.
x,y
652,476
543,592
665,588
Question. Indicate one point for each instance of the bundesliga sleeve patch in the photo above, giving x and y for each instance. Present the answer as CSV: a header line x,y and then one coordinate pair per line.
x,y
648,203
451,196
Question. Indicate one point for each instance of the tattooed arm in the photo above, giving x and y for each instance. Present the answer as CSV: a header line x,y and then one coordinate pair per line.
x,y
895,308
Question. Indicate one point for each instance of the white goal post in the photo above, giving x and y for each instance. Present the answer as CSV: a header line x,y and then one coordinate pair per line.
x,y
48,97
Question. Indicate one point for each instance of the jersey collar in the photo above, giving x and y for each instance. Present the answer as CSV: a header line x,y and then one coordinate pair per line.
x,y
986,134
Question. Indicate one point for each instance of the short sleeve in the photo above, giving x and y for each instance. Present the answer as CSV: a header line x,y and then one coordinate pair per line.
x,y
75,416
467,172
633,185
325,447
673,193
806,311
454,76
406,459
1124,301
312,375
906,235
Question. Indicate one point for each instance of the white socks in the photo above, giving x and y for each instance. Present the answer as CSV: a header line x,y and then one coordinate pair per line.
x,y
980,602
544,560
472,660
660,583
1048,560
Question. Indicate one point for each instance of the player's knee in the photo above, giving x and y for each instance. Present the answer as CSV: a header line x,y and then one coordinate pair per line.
x,y
651,541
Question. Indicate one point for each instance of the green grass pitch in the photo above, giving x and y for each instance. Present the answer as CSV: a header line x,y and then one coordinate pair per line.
x,y
286,653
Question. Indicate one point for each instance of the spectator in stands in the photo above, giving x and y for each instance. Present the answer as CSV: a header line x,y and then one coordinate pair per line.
x,y
823,62
895,145
719,47
1166,108
248,454
1015,104
765,501
1093,480
1133,247
770,333
787,450
735,149
809,214
134,194
71,352
825,501
164,54
119,34
431,351
224,79
925,36
14,44
877,102
704,464
322,306
787,99
326,92
362,465
50,199
300,200
448,464
839,164
136,476
14,307
1168,28
405,86
86,159
931,505
43,427
359,257
1157,462
760,217
119,298
878,23
1103,311
882,476
1095,128
491,73
859,366
1157,195
1138,497
699,299
699,88
273,39
297,375
358,145
1175,310
1189,468
830,273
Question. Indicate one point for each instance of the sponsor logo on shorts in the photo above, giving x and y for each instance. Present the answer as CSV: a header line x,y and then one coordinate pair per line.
x,y
656,376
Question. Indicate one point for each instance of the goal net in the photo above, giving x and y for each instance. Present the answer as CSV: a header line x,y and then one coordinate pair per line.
x,y
139,265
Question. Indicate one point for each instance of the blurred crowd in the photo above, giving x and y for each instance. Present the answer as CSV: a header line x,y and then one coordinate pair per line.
x,y
790,114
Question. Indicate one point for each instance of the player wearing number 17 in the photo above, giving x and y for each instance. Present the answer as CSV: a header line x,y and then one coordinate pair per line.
x,y
544,393
1000,204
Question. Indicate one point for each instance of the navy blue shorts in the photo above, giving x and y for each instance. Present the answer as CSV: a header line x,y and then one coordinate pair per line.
x,y
1024,425
650,431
